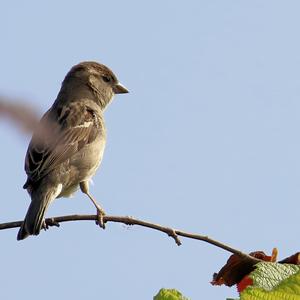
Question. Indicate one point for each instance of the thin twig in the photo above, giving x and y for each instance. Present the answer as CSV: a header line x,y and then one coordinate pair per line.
x,y
54,221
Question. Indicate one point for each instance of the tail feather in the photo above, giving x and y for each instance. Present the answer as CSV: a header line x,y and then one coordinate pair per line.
x,y
33,221
34,218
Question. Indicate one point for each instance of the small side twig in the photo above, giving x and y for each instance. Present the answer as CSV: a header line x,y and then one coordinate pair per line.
x,y
54,221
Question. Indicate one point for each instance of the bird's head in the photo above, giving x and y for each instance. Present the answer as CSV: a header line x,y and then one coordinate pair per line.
x,y
96,79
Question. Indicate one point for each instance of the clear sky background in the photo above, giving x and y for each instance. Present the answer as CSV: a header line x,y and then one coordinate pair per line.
x,y
207,141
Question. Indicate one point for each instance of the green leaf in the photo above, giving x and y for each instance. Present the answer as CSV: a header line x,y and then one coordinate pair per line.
x,y
274,281
169,294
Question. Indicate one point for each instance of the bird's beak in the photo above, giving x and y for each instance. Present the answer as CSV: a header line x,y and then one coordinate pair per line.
x,y
120,89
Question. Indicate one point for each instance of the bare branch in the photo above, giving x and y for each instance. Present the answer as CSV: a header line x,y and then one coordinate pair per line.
x,y
54,221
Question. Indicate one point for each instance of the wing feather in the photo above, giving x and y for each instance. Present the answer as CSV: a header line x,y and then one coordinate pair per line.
x,y
61,134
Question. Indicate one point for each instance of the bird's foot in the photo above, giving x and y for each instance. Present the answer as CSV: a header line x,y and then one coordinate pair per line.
x,y
100,221
48,223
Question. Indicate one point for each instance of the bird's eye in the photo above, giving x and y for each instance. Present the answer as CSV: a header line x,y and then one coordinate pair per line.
x,y
106,79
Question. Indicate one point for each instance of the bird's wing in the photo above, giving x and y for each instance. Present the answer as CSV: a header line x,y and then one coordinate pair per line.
x,y
61,134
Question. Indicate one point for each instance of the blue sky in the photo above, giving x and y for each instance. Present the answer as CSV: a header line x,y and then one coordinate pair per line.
x,y
207,141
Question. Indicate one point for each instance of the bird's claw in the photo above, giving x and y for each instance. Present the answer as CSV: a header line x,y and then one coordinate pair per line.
x,y
45,226
49,222
100,221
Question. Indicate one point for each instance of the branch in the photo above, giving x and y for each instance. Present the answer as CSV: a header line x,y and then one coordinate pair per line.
x,y
174,233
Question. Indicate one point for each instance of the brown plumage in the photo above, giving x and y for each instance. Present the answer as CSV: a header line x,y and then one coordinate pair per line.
x,y
67,147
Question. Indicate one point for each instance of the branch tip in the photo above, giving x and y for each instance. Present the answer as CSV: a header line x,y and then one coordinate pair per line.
x,y
172,233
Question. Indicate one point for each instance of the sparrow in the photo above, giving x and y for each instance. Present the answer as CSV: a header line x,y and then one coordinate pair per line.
x,y
67,146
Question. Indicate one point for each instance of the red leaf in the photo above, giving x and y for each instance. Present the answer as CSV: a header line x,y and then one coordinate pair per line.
x,y
244,283
293,259
238,267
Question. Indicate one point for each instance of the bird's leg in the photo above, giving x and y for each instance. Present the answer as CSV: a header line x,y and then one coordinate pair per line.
x,y
84,186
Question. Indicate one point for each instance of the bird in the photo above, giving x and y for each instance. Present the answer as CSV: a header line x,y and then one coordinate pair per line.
x,y
67,145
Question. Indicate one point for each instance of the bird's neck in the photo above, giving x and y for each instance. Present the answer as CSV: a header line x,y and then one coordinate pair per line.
x,y
78,90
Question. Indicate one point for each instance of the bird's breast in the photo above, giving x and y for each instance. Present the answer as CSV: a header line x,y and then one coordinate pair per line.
x,y
88,159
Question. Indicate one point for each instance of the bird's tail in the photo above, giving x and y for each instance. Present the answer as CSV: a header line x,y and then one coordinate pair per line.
x,y
34,218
